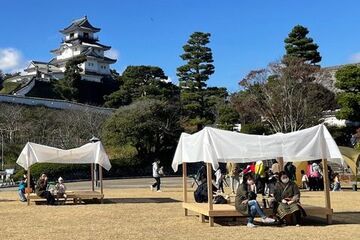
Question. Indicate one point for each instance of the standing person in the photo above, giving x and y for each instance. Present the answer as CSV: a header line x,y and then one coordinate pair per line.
x,y
275,167
290,171
245,201
41,191
156,175
337,185
304,180
287,195
21,190
219,181
260,177
233,173
316,175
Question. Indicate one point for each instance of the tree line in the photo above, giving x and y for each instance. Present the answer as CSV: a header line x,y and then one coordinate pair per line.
x,y
152,112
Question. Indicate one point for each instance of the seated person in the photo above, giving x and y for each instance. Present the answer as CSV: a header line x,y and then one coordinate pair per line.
x,y
287,195
245,201
60,189
201,192
41,190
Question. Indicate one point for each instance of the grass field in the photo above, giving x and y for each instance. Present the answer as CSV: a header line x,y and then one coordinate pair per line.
x,y
142,214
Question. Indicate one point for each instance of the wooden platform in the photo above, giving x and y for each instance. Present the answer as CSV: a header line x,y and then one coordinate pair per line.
x,y
227,210
76,196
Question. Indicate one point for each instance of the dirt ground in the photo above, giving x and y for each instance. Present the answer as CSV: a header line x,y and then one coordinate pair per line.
x,y
142,214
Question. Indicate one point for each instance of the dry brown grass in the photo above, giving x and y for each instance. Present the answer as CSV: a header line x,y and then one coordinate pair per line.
x,y
131,218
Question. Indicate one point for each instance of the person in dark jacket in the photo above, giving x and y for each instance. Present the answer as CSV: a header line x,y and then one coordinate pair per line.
x,y
41,191
287,195
245,201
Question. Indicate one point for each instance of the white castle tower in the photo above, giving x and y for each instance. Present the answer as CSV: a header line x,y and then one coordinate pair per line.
x,y
79,39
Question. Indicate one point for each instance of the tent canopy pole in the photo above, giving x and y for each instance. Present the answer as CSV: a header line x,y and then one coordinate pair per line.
x,y
184,185
326,188
210,194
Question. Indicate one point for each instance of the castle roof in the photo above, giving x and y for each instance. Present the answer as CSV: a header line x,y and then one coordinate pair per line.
x,y
81,23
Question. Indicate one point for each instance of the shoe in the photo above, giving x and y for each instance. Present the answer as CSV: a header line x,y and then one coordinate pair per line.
x,y
297,225
251,225
151,188
268,220
158,191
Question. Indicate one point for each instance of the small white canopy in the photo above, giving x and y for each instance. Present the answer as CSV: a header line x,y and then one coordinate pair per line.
x,y
89,153
212,145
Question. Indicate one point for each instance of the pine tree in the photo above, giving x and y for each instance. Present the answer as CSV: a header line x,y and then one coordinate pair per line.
x,y
193,76
297,44
199,59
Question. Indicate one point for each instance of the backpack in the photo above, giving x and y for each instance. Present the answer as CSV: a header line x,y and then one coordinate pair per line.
x,y
200,194
219,200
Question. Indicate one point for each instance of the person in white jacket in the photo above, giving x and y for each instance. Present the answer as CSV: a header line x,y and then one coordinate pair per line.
x,y
156,175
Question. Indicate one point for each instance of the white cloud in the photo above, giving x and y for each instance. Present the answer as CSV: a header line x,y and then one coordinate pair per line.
x,y
11,60
112,53
355,58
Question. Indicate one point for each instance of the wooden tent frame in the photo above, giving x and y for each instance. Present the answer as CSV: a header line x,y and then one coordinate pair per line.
x,y
212,213
79,195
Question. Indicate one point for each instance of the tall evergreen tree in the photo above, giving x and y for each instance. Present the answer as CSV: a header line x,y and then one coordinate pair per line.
x,y
297,44
199,67
193,76
348,80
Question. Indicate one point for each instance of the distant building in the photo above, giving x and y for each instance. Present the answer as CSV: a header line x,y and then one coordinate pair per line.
x,y
79,39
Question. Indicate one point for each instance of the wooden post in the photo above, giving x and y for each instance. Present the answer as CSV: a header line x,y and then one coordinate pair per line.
x,y
92,177
280,161
28,174
184,169
210,194
326,189
28,186
101,183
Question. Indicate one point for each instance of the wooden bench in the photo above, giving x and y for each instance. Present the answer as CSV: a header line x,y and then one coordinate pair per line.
x,y
76,196
227,210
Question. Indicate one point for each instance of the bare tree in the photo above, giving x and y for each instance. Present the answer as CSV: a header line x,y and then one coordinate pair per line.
x,y
11,119
279,94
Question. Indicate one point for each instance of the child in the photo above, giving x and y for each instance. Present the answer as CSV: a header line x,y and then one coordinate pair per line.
x,y
304,180
337,186
60,190
21,189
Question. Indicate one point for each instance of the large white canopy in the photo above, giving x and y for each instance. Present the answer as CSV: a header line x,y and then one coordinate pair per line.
x,y
212,145
89,153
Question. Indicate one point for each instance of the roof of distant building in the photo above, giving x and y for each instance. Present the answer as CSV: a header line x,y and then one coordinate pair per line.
x,y
81,23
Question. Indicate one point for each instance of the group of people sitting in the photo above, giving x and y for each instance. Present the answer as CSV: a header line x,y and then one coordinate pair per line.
x,y
43,189
284,201
283,195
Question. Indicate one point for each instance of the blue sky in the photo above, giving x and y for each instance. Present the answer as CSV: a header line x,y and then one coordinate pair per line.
x,y
246,35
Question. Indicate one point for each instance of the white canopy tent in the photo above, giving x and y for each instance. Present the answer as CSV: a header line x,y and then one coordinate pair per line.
x,y
87,154
213,146
91,153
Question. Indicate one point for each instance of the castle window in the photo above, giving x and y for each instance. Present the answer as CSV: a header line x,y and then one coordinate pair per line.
x,y
71,35
86,35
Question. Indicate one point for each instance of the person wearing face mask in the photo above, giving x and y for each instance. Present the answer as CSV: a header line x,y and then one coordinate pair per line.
x,y
245,201
287,195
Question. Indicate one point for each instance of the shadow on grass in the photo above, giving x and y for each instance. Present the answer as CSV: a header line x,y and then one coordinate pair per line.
x,y
133,200
8,200
339,218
